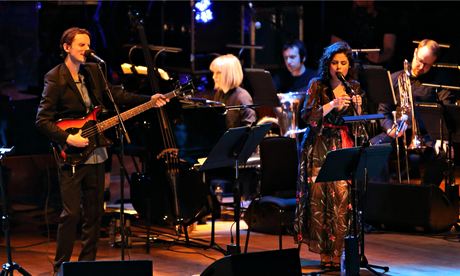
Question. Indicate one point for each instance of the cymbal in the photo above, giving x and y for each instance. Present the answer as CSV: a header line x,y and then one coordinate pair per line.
x,y
442,45
446,65
13,94
373,50
239,46
156,48
441,86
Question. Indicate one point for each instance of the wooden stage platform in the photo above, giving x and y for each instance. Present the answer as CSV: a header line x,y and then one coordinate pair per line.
x,y
404,253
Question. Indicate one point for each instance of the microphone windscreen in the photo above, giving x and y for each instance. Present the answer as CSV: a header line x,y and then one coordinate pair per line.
x,y
88,53
340,76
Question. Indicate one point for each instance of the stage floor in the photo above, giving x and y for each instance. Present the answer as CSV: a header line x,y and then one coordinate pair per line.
x,y
404,253
412,253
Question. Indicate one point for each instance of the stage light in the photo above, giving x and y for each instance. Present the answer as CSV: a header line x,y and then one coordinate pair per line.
x,y
203,13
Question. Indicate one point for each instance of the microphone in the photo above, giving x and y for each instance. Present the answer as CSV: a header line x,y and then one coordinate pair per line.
x,y
404,118
92,55
344,81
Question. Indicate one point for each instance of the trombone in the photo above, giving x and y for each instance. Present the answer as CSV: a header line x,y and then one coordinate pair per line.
x,y
406,111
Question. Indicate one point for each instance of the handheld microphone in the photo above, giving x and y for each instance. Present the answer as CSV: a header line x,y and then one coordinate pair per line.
x,y
404,118
341,78
91,54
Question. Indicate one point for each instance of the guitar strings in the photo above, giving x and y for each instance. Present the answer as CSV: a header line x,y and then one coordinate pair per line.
x,y
93,130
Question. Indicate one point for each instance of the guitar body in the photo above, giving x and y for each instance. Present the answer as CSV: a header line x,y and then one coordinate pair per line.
x,y
92,129
72,155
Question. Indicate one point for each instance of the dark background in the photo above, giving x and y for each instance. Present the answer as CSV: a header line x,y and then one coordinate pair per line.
x,y
31,32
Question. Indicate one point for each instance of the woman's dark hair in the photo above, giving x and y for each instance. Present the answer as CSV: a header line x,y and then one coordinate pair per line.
x,y
69,35
328,54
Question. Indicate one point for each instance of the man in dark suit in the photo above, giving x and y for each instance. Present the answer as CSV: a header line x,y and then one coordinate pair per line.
x,y
71,90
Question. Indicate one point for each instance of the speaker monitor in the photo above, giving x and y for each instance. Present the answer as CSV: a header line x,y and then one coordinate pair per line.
x,y
109,268
411,207
275,262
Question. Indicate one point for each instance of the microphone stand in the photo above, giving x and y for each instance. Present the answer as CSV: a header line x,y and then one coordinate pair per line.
x,y
122,133
243,106
236,151
360,123
440,86
9,267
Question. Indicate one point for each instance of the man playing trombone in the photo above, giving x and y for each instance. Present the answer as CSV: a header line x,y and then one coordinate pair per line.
x,y
401,121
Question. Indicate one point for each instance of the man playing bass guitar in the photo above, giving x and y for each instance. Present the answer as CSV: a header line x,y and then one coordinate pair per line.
x,y
72,89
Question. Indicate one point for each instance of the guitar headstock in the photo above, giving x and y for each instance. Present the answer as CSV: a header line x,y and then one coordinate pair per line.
x,y
184,90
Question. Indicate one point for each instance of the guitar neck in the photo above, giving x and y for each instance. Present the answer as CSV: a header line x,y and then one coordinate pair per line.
x,y
128,114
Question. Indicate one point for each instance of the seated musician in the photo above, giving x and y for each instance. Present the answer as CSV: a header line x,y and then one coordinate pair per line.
x,y
296,76
228,76
419,72
71,90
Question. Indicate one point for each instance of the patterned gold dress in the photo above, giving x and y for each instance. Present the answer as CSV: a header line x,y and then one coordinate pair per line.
x,y
322,208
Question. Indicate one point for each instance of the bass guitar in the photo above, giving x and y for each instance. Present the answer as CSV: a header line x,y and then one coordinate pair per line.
x,y
93,130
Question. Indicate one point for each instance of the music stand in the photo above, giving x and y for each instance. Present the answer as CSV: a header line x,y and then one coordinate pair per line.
x,y
232,149
376,81
360,120
9,267
443,120
355,164
365,118
442,123
262,87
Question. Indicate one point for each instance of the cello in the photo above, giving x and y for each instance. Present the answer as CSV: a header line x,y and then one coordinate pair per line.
x,y
169,193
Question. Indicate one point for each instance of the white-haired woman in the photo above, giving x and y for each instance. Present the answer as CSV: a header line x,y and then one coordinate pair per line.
x,y
228,76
